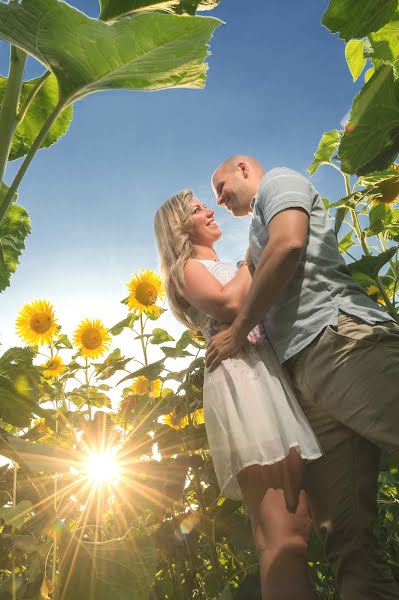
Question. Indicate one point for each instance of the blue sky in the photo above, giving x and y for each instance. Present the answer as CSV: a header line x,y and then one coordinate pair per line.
x,y
277,80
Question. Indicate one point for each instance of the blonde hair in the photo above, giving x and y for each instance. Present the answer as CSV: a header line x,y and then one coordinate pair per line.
x,y
172,225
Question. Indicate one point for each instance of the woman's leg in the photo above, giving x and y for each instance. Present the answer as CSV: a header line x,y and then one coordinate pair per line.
x,y
281,537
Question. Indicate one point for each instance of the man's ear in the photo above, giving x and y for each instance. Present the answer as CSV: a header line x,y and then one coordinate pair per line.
x,y
243,167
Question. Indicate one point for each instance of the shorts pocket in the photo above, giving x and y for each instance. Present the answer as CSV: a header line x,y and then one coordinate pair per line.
x,y
353,333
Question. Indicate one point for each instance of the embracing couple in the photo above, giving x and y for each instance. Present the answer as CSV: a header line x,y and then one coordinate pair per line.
x,y
301,389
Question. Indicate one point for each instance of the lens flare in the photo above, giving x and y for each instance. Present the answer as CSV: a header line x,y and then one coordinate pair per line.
x,y
103,468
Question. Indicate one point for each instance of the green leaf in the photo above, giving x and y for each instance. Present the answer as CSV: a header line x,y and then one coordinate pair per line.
x,y
371,138
113,363
14,229
346,241
127,322
357,18
175,352
123,568
377,177
354,51
39,111
19,386
63,342
112,9
151,371
372,265
149,51
368,74
328,146
380,216
385,42
16,516
160,336
38,457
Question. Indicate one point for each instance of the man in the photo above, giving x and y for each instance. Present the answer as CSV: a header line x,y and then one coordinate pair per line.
x,y
342,352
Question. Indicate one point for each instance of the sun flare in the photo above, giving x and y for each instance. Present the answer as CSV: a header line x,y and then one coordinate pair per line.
x,y
103,468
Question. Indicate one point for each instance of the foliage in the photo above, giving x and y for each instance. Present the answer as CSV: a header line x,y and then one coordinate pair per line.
x,y
157,529
370,141
142,47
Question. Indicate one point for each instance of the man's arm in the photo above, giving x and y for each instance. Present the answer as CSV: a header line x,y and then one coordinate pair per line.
x,y
287,239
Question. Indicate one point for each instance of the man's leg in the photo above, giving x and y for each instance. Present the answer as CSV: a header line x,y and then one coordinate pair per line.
x,y
342,491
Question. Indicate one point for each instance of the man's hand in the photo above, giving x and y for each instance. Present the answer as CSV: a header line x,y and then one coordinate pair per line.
x,y
223,345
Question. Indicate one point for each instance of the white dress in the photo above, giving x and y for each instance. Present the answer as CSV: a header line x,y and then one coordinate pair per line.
x,y
251,414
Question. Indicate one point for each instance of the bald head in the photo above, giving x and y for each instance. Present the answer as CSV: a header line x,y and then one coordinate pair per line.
x,y
236,181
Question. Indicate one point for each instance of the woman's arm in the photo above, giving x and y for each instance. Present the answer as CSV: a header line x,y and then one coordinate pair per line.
x,y
208,295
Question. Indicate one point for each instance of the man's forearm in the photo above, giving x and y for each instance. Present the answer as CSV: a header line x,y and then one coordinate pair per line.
x,y
273,273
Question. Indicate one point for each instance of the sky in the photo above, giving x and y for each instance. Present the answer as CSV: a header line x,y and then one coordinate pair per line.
x,y
277,80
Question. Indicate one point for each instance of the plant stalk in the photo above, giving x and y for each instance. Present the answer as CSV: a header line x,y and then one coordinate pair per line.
x,y
9,107
13,560
28,159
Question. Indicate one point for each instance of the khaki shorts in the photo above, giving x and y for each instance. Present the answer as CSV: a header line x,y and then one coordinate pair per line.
x,y
350,374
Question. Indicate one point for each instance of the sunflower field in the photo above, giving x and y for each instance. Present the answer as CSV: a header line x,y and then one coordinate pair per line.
x,y
107,488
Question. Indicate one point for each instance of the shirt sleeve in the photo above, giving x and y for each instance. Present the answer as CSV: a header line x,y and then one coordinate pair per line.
x,y
282,189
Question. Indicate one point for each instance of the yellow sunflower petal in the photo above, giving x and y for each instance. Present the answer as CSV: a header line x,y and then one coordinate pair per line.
x,y
36,323
142,386
92,338
53,367
145,289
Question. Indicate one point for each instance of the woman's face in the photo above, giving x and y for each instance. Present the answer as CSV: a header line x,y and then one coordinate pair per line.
x,y
205,231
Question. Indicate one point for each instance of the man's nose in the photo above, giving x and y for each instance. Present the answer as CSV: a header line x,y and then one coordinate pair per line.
x,y
219,199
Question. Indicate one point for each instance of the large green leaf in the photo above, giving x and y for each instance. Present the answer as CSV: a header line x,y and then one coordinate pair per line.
x,y
372,265
328,146
39,110
146,52
19,386
122,569
38,457
14,229
371,138
354,54
385,42
357,18
113,9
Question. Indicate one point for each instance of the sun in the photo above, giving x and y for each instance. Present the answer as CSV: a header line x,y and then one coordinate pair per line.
x,y
92,338
145,289
36,323
103,468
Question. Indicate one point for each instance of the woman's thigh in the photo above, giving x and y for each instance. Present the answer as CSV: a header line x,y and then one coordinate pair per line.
x,y
272,523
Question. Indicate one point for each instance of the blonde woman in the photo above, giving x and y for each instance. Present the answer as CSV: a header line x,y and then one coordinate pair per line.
x,y
257,433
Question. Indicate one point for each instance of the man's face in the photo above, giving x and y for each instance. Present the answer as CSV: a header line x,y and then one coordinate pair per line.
x,y
232,190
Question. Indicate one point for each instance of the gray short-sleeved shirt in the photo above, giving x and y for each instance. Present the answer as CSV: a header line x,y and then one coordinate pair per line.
x,y
322,285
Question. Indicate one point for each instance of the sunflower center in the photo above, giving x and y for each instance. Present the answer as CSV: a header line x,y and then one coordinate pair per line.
x,y
146,293
52,364
92,339
40,323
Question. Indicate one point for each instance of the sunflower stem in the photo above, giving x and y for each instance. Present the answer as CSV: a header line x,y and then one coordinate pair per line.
x,y
9,106
26,105
13,549
142,340
28,159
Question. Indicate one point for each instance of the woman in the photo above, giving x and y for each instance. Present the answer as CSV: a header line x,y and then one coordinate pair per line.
x,y
258,435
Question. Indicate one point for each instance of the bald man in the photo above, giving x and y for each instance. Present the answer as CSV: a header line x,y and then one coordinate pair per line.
x,y
341,350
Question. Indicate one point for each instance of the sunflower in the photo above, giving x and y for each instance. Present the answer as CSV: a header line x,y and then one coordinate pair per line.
x,y
53,367
373,291
197,417
142,386
92,338
145,289
36,323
